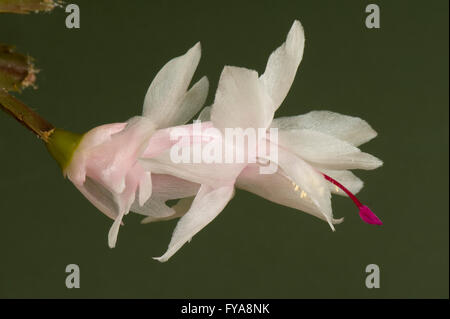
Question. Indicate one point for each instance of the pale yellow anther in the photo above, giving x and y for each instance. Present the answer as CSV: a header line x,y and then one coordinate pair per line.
x,y
302,194
296,188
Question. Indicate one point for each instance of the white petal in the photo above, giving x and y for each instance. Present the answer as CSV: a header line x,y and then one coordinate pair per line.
x,y
103,199
155,208
114,231
205,114
282,65
347,128
76,171
178,210
346,178
212,174
208,203
126,199
192,102
145,188
111,161
183,205
165,187
309,180
166,102
278,189
240,101
171,187
326,151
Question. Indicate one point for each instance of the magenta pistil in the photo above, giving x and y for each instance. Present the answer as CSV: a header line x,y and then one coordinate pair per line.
x,y
364,212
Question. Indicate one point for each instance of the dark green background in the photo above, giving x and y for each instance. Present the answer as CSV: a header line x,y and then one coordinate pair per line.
x,y
395,77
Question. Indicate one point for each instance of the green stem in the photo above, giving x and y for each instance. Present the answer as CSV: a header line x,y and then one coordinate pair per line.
x,y
27,6
61,144
26,116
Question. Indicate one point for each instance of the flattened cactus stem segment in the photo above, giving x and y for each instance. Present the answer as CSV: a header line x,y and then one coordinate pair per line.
x,y
61,144
27,6
25,115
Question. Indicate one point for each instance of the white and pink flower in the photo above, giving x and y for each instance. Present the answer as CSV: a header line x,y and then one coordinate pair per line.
x,y
127,166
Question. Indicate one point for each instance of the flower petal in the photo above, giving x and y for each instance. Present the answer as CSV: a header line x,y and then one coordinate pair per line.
x,y
278,189
326,151
205,114
309,180
145,188
346,178
111,161
76,171
178,210
282,65
347,128
155,208
165,187
114,231
126,199
240,101
107,201
211,174
171,187
208,203
166,102
103,199
192,102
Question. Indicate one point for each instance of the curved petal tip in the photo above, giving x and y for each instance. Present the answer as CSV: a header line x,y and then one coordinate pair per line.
x,y
160,259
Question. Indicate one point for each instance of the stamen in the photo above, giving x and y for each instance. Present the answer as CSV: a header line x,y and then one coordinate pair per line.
x,y
297,188
364,212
